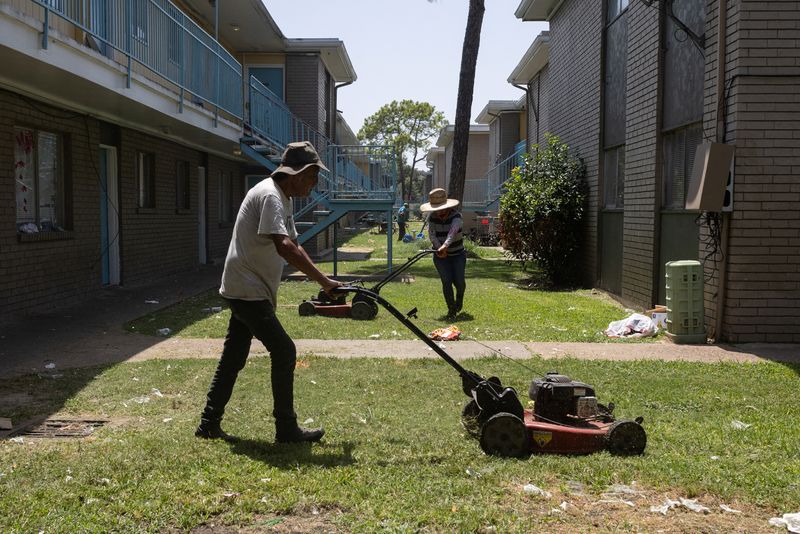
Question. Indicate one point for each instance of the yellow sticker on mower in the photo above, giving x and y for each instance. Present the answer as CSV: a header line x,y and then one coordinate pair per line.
x,y
542,438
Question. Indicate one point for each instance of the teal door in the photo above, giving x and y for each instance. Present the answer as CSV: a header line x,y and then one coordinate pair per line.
x,y
272,77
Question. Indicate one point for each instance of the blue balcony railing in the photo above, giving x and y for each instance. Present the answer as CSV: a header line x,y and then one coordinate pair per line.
x,y
160,37
483,192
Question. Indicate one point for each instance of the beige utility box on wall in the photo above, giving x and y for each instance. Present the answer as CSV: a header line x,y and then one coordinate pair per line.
x,y
712,165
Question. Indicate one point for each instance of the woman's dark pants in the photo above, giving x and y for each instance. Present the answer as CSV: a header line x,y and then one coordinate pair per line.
x,y
452,272
251,319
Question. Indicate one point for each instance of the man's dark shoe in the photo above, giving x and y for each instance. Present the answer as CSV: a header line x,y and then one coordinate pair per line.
x,y
297,434
208,430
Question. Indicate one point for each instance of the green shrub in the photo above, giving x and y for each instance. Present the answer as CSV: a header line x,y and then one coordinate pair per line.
x,y
542,210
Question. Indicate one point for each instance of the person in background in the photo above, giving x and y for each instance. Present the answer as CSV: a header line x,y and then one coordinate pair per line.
x,y
445,232
402,219
264,239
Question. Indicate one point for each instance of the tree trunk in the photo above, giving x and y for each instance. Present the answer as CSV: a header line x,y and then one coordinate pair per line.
x,y
466,84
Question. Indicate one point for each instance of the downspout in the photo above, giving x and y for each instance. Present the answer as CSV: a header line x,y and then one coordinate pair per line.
x,y
726,219
336,105
533,109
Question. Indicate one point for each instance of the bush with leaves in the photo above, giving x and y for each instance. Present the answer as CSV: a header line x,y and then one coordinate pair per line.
x,y
542,210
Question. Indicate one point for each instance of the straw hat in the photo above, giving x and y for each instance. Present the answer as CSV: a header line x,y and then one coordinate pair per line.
x,y
297,157
437,200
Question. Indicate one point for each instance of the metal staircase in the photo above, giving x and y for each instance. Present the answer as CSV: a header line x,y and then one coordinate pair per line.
x,y
361,178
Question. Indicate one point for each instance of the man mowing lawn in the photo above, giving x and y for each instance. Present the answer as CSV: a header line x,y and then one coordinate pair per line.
x,y
263,237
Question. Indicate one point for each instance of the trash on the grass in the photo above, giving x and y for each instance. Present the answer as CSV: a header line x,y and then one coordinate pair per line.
x,y
308,421
739,425
18,439
635,325
664,508
375,336
216,309
164,331
448,333
790,521
50,365
694,506
156,392
728,509
471,472
536,490
151,302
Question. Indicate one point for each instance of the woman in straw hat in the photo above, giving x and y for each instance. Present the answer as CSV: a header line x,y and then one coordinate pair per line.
x,y
445,230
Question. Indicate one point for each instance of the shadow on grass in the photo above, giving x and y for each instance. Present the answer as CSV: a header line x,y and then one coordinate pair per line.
x,y
288,455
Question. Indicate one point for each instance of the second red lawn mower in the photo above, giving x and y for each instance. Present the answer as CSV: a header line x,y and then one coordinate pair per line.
x,y
566,417
360,307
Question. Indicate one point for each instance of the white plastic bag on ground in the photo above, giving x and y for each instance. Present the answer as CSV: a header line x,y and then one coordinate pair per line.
x,y
635,325
790,521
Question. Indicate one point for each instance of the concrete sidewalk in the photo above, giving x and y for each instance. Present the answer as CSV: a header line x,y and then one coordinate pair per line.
x,y
91,334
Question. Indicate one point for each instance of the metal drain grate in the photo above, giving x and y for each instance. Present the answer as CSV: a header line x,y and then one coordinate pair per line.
x,y
61,428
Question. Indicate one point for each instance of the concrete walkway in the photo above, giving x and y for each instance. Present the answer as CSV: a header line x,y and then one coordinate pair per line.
x,y
91,333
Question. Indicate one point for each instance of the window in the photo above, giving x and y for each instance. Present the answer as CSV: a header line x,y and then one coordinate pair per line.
x,y
39,181
615,7
182,198
614,178
146,180
679,150
225,198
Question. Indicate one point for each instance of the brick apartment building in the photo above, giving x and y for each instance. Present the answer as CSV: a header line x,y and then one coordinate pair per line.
x,y
633,87
121,158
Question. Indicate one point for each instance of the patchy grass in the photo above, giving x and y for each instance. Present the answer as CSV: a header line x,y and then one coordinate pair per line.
x,y
502,302
395,457
498,305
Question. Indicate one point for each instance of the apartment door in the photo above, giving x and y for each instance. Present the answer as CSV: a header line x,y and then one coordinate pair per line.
x,y
109,216
202,237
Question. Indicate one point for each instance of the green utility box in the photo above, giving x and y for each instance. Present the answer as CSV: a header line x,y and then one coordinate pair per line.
x,y
684,284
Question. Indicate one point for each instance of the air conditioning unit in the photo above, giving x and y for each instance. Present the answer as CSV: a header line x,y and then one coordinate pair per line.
x,y
710,174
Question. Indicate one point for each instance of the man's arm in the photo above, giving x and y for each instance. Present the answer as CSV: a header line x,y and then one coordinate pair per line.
x,y
296,256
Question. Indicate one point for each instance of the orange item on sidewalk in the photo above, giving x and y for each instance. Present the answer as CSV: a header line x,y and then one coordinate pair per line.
x,y
448,333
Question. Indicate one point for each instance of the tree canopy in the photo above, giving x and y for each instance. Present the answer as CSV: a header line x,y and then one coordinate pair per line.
x,y
409,127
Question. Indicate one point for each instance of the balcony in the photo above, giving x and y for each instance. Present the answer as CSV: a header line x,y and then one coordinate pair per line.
x,y
482,194
138,62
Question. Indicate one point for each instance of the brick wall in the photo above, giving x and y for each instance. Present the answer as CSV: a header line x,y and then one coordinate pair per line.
x,y
219,233
303,92
538,98
159,240
574,100
153,242
641,142
762,298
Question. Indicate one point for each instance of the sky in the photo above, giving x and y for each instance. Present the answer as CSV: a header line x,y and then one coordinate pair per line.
x,y
411,49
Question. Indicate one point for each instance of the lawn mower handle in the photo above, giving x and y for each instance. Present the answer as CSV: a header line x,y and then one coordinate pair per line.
x,y
469,379
411,261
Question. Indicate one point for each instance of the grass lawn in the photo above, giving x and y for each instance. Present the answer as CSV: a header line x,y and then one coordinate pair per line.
x,y
501,302
395,457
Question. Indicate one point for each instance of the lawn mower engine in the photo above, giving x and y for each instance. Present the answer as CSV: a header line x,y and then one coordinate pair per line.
x,y
566,419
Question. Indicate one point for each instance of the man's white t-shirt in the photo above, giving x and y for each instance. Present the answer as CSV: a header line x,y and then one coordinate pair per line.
x,y
253,267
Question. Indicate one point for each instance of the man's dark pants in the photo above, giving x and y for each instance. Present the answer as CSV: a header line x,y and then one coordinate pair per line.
x,y
402,230
452,271
254,319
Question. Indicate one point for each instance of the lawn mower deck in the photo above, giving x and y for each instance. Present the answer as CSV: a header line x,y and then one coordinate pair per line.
x,y
566,417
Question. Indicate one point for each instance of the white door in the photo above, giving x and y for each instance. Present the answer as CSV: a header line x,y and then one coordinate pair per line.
x,y
109,215
201,215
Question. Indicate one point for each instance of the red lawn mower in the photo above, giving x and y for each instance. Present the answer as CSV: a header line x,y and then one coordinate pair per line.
x,y
361,307
566,417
